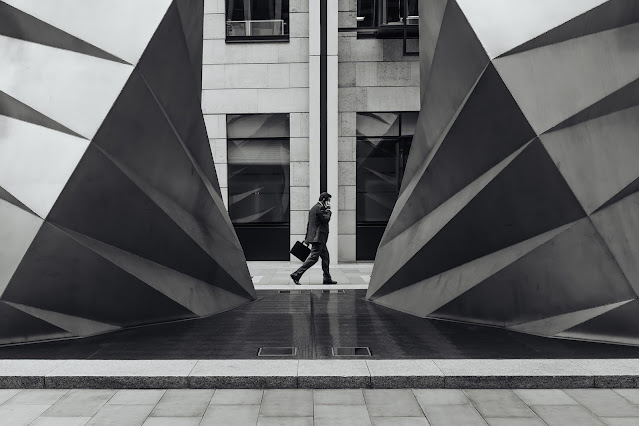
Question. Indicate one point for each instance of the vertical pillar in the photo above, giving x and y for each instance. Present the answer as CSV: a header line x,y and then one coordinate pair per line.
x,y
323,115
332,130
314,89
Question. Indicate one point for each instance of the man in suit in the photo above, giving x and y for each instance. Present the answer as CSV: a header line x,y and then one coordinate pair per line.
x,y
316,236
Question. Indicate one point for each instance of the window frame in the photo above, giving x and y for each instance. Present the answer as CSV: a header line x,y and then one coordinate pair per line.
x,y
283,38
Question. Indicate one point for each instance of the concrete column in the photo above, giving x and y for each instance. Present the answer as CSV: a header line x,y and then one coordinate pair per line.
x,y
314,81
332,125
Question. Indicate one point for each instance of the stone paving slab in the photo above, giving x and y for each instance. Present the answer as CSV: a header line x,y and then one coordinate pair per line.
x,y
310,374
307,407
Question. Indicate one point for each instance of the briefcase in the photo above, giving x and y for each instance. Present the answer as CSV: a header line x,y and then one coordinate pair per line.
x,y
300,251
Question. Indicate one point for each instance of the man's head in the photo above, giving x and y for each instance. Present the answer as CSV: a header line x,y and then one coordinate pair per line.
x,y
325,196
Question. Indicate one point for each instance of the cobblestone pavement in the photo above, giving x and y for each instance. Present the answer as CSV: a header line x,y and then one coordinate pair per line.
x,y
379,407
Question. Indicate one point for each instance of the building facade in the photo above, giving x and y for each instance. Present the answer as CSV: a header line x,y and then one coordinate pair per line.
x,y
303,96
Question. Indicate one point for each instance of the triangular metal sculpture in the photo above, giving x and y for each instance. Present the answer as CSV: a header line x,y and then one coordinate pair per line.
x,y
520,202
110,210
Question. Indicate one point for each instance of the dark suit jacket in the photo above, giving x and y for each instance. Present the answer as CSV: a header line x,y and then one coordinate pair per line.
x,y
317,228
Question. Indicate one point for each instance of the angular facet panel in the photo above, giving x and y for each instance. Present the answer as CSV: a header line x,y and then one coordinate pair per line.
x,y
36,162
17,24
545,241
504,24
458,62
18,228
110,206
555,82
490,115
609,15
597,158
72,89
120,27
545,283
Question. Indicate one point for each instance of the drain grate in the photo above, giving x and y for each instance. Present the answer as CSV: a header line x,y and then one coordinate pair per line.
x,y
277,351
333,291
294,291
352,351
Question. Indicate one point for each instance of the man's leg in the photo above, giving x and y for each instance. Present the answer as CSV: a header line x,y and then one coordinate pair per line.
x,y
326,263
310,261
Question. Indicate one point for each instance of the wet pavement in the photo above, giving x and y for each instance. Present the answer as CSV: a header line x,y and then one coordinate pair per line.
x,y
314,322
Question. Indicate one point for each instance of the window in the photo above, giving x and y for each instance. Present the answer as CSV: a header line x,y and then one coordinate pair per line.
x,y
256,20
389,19
383,144
258,183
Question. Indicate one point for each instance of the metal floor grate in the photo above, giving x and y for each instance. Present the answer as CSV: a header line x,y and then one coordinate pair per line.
x,y
277,351
294,291
352,351
333,291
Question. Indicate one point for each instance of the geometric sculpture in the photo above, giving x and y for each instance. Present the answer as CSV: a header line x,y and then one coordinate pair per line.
x,y
519,207
110,210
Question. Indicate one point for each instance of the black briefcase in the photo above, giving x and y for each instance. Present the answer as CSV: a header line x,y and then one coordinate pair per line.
x,y
300,251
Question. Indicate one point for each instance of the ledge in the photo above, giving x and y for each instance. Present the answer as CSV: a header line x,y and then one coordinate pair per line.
x,y
321,374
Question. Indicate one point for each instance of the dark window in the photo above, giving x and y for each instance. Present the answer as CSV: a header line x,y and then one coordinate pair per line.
x,y
258,183
383,145
256,20
389,19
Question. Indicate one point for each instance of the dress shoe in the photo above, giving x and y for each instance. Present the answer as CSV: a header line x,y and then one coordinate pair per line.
x,y
295,279
331,281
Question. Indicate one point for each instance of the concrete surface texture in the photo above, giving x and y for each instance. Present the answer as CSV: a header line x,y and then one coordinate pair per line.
x,y
367,407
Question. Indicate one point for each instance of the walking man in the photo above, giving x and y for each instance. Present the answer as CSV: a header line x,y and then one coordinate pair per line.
x,y
316,236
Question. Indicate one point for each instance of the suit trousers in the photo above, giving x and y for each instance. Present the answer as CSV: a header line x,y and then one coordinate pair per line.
x,y
318,250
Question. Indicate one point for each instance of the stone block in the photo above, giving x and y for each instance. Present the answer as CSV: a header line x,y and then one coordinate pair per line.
x,y
278,76
347,173
213,76
366,50
214,26
299,218
347,222
298,25
346,149
393,51
298,5
300,198
344,48
347,124
299,125
392,99
346,248
347,5
212,6
347,19
282,100
299,173
229,101
296,50
246,76
352,99
298,74
396,74
219,149
333,374
260,53
346,74
212,125
222,174
347,200
299,149
366,74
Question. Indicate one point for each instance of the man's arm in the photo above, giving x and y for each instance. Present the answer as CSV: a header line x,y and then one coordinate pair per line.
x,y
324,215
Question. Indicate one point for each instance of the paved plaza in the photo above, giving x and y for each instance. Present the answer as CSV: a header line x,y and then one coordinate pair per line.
x,y
266,275
352,407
